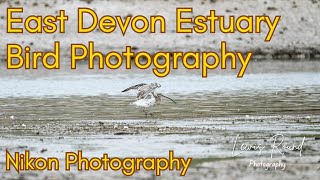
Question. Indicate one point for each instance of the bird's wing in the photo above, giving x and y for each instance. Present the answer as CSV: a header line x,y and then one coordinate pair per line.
x,y
146,90
143,89
135,87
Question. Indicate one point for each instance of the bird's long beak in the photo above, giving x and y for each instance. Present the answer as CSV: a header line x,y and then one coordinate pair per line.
x,y
168,98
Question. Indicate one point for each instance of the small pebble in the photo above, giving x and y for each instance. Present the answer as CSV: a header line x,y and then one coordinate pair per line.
x,y
43,150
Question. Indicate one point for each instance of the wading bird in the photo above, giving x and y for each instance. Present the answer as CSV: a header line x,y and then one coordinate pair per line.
x,y
146,97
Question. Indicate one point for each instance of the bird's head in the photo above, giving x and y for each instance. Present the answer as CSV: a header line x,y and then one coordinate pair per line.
x,y
156,85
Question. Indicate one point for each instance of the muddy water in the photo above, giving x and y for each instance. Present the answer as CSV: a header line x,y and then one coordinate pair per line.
x,y
297,101
53,112
96,95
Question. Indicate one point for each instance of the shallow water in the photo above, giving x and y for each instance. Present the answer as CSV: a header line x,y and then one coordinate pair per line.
x,y
95,95
281,102
182,84
50,112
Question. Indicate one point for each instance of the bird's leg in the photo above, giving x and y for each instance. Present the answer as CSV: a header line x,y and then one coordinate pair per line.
x,y
145,112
